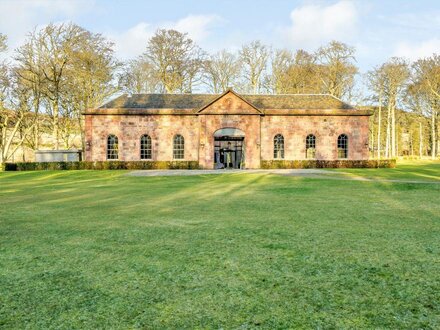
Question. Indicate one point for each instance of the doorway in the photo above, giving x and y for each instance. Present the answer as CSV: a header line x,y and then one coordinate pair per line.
x,y
229,149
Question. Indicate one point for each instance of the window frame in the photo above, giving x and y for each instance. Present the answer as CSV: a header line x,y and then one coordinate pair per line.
x,y
311,145
112,153
178,147
146,152
342,146
278,146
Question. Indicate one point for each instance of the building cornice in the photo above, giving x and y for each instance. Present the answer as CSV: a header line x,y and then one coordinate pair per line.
x,y
194,112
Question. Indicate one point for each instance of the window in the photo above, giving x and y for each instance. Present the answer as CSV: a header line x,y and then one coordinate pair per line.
x,y
342,146
310,146
278,147
145,147
112,147
178,147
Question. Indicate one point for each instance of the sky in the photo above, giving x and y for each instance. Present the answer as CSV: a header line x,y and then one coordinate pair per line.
x,y
378,29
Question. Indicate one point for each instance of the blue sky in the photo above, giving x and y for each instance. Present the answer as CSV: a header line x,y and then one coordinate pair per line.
x,y
378,29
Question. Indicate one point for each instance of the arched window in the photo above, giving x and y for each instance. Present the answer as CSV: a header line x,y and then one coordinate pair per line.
x,y
178,147
310,146
342,146
145,147
112,147
278,147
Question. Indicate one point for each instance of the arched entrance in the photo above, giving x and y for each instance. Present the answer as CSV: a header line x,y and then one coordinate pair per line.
x,y
229,148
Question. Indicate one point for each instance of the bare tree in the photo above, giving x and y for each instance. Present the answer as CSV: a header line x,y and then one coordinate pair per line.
x,y
416,101
337,70
388,83
176,59
53,45
68,69
30,78
89,79
254,58
304,74
221,71
14,109
376,81
193,74
3,45
396,74
426,81
138,76
279,80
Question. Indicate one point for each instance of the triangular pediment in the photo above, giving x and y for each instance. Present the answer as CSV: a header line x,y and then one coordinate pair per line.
x,y
229,103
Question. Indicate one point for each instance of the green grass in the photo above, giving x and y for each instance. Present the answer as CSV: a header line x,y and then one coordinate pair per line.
x,y
426,170
90,249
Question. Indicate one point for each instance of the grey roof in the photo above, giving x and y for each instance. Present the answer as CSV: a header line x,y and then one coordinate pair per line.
x,y
196,101
296,101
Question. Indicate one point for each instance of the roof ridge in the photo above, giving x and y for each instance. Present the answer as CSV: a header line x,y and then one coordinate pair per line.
x,y
173,94
291,94
216,94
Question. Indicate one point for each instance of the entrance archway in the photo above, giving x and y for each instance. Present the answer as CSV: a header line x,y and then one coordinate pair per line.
x,y
229,148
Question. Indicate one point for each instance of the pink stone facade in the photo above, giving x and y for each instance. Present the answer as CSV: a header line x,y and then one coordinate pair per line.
x,y
326,130
130,128
198,127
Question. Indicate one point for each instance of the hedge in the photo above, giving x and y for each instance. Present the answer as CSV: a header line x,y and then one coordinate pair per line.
x,y
191,165
290,164
105,165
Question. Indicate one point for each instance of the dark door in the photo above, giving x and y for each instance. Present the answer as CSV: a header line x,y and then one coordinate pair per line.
x,y
228,152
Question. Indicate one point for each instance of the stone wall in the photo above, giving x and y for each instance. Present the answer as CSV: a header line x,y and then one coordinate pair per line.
x,y
326,130
129,129
249,124
230,111
198,131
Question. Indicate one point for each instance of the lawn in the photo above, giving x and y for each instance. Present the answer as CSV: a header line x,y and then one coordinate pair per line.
x,y
98,249
426,170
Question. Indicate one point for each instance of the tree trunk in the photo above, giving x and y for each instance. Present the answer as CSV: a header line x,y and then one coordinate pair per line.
x,y
393,131
372,138
56,130
437,135
254,84
379,128
420,140
2,164
434,140
36,134
37,125
387,144
83,137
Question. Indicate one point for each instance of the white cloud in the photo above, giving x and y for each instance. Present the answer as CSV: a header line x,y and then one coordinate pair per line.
x,y
197,26
416,50
313,25
132,42
19,17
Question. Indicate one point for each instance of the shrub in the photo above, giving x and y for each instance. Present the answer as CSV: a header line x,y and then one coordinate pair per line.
x,y
191,165
345,163
103,165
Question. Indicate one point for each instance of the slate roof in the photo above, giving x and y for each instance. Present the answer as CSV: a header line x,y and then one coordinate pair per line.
x,y
196,101
296,101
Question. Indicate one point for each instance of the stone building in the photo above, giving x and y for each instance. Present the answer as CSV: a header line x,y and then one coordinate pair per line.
x,y
227,130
